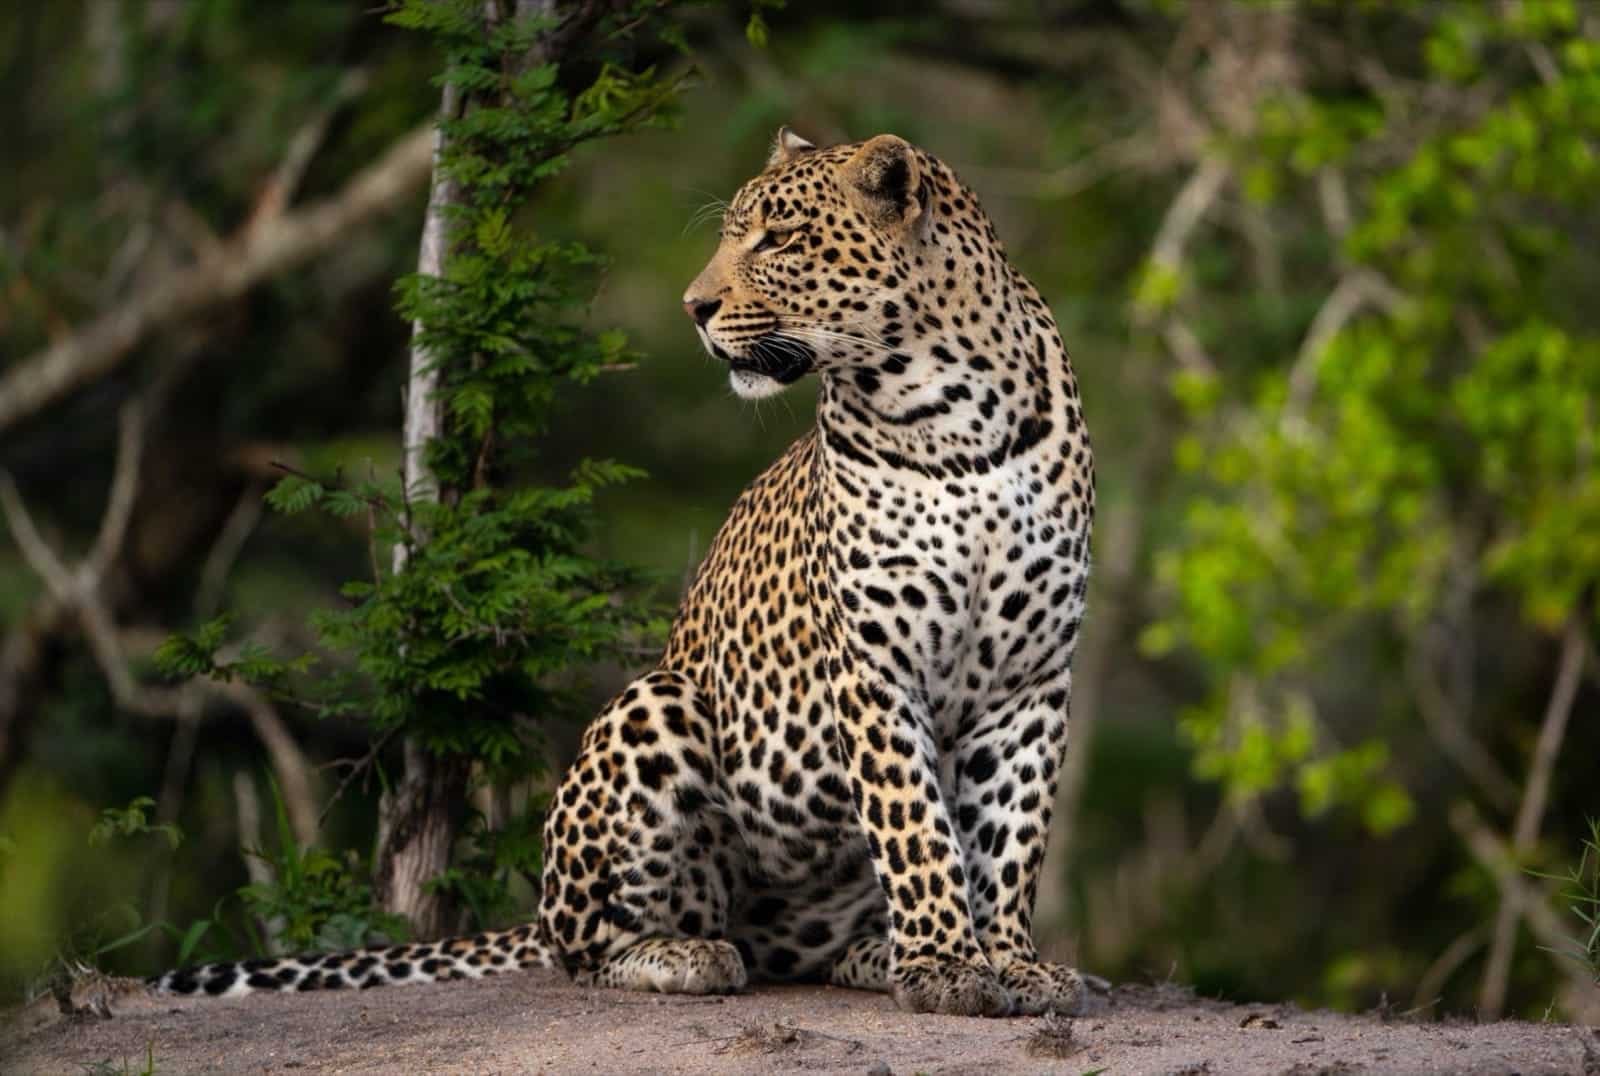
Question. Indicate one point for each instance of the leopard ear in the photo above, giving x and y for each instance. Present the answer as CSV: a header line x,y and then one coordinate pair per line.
x,y
786,147
884,176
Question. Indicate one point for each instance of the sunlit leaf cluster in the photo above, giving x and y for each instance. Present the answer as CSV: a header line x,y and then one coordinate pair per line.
x,y
1445,431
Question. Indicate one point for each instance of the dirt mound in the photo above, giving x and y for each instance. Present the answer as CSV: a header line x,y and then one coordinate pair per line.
x,y
538,1022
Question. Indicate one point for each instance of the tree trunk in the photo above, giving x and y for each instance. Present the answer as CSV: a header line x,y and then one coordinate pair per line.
x,y
417,824
419,816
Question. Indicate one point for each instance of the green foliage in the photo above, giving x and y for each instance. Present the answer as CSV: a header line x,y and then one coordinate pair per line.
x,y
487,878
468,645
1445,428
1581,892
496,595
756,30
132,821
316,900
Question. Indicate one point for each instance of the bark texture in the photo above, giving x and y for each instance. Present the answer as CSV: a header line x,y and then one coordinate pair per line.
x,y
419,816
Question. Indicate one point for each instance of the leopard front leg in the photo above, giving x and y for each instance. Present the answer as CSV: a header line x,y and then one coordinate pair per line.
x,y
638,872
937,962
1005,781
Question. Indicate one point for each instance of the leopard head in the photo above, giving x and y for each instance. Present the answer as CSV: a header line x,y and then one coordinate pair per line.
x,y
816,257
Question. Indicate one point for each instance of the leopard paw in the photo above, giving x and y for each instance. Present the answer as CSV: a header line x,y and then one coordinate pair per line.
x,y
675,966
1039,987
950,986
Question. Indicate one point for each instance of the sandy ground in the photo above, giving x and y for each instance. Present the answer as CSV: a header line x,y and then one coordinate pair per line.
x,y
539,1023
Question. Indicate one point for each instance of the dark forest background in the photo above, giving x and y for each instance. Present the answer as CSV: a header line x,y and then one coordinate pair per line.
x,y
1327,272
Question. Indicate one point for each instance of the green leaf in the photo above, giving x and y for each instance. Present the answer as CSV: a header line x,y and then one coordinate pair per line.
x,y
755,30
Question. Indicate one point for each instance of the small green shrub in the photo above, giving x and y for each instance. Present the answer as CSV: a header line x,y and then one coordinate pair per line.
x,y
1581,892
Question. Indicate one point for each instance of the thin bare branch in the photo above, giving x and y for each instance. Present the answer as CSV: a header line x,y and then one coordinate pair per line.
x,y
357,767
1449,730
1357,290
1530,817
1186,347
1333,194
292,770
1543,62
1495,857
280,188
1194,200
1552,731
79,589
1447,963
289,763
124,492
35,550
1136,151
236,531
79,592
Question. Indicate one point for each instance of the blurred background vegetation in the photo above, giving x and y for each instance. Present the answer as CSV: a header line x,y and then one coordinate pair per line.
x,y
1327,274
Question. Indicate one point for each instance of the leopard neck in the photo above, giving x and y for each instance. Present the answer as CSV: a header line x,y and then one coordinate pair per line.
x,y
976,376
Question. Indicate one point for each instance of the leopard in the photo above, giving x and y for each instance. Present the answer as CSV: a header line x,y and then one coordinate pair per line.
x,y
843,767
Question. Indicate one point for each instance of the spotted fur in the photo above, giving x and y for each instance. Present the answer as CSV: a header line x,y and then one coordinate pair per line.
x,y
843,767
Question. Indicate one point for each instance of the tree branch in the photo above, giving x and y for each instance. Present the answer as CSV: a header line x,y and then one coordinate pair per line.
x,y
1449,729
1551,732
1358,289
241,523
1194,200
1188,208
124,491
280,187
1137,151
80,592
1501,863
1514,902
357,767
1457,953
106,342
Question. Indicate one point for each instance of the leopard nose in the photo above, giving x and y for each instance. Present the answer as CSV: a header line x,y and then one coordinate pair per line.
x,y
701,309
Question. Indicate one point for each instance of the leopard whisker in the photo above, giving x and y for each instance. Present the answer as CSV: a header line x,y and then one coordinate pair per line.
x,y
862,336
826,337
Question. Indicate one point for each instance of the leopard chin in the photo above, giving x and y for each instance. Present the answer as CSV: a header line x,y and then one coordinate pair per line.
x,y
750,385
770,365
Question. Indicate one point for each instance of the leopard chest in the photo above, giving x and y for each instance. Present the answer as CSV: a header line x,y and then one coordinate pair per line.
x,y
962,591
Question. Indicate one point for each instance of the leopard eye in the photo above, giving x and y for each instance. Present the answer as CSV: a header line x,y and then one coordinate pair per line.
x,y
774,239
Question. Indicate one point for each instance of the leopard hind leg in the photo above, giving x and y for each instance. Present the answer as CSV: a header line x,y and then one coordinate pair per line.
x,y
639,855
